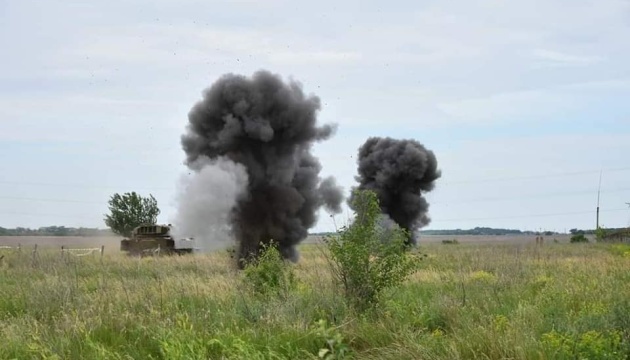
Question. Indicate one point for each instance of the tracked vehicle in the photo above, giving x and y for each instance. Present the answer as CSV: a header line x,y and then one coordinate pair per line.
x,y
155,240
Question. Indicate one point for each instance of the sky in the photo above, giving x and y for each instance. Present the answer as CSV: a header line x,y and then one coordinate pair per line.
x,y
525,103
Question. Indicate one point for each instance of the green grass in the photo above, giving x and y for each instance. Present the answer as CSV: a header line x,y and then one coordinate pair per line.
x,y
564,301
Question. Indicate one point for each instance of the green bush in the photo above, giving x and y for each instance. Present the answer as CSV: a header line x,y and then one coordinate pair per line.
x,y
579,238
269,273
600,234
367,259
450,242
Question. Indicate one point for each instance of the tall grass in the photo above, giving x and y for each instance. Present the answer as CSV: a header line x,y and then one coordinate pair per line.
x,y
564,301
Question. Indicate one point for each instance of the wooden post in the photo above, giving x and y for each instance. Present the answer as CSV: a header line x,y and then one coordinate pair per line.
x,y
102,251
34,252
62,252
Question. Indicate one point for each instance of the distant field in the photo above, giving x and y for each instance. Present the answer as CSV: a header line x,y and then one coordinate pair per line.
x,y
479,239
58,241
113,242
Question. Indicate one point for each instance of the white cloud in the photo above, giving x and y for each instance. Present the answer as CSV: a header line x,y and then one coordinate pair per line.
x,y
560,58
531,105
314,57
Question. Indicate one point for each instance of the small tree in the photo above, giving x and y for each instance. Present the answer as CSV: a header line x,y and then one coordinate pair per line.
x,y
367,259
130,210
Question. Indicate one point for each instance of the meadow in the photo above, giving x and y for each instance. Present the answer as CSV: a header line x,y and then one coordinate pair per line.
x,y
467,301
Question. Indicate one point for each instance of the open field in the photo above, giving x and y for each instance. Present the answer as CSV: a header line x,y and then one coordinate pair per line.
x,y
113,242
58,241
503,301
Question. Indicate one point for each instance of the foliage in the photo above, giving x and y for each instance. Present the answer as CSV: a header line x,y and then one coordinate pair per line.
x,y
130,210
600,234
579,238
621,250
269,273
335,348
367,259
555,302
589,345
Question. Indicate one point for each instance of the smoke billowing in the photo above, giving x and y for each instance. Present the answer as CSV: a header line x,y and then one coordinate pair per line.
x,y
205,199
399,172
265,127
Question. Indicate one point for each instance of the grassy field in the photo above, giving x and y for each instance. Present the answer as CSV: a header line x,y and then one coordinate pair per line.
x,y
468,301
113,242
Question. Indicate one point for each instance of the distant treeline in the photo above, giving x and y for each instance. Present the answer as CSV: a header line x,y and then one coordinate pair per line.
x,y
476,231
487,231
484,231
55,231
492,231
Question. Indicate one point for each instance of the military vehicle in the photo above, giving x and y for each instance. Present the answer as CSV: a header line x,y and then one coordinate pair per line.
x,y
155,240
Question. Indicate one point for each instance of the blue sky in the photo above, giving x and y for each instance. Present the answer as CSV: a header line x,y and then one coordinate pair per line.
x,y
522,102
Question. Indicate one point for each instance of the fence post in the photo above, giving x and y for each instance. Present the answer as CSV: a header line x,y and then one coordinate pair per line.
x,y
62,252
102,251
34,252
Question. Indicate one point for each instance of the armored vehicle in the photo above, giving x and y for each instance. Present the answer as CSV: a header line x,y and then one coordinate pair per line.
x,y
155,240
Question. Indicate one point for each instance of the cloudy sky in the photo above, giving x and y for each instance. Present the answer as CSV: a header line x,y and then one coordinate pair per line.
x,y
523,102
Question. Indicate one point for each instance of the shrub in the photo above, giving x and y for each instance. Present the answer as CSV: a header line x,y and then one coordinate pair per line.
x,y
364,261
579,238
600,234
450,242
269,273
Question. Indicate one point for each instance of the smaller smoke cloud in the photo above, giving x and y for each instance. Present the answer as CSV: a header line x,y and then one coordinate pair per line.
x,y
205,202
399,172
331,195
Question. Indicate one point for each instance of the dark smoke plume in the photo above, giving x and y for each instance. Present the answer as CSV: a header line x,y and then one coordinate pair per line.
x,y
399,172
268,127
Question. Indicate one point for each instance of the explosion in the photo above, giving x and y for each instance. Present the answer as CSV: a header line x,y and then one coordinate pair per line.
x,y
249,140
399,171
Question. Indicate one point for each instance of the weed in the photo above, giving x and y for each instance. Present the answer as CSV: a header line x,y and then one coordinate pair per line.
x,y
365,261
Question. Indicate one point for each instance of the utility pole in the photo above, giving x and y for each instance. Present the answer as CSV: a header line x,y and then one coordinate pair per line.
x,y
598,192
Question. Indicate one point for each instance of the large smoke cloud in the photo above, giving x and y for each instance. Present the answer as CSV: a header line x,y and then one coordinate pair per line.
x,y
399,172
268,127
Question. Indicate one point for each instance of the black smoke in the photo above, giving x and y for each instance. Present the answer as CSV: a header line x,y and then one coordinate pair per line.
x,y
269,127
399,172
